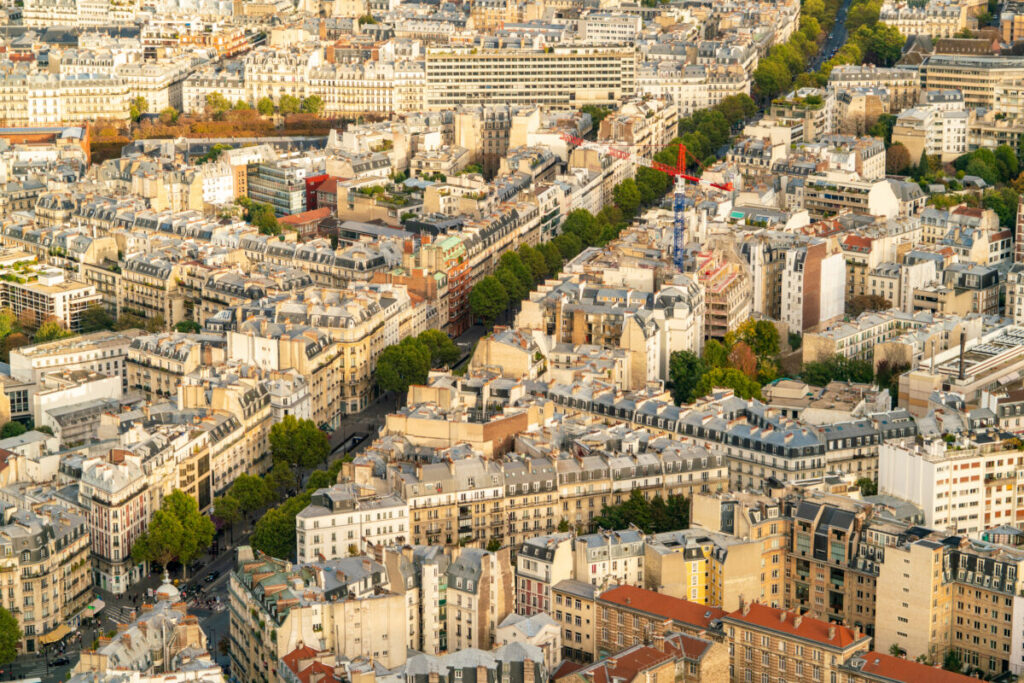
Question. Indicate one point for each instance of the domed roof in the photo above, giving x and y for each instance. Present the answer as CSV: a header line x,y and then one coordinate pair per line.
x,y
167,591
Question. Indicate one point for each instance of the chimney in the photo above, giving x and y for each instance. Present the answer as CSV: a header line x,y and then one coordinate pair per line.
x,y
797,620
963,345
745,608
782,616
366,564
831,632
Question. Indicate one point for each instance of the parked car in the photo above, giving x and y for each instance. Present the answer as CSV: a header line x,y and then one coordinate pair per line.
x,y
211,577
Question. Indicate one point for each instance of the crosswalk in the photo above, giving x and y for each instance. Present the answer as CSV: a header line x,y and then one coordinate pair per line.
x,y
121,615
35,669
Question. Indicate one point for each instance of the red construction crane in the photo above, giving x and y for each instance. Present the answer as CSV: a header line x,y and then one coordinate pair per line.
x,y
678,171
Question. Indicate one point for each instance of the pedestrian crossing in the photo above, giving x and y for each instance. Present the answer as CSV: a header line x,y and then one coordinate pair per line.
x,y
121,615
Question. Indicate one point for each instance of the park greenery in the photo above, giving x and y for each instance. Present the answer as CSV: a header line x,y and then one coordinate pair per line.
x,y
650,516
744,361
261,215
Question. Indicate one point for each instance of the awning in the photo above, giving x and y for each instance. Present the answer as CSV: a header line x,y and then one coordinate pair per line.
x,y
55,635
93,608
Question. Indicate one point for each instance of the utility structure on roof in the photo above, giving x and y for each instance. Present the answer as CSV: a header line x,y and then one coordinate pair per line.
x,y
680,201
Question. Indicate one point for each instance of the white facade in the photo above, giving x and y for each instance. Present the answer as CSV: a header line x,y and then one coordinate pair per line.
x,y
345,519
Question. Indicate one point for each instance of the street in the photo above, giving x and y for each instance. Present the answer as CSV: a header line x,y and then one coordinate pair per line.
x,y
835,39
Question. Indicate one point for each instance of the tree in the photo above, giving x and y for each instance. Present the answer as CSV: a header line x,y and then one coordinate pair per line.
x,y
867,302
582,224
534,260
188,326
487,300
729,378
760,335
320,479
401,365
517,291
897,159
715,355
274,533
443,351
552,257
597,114
298,442
987,172
742,357
169,116
367,19
50,331
896,651
13,341
772,77
10,636
44,429
494,545
655,516
888,377
511,260
96,318
568,245
882,128
261,215
137,108
1006,162
881,44
922,168
217,103
12,428
841,368
868,487
251,492
626,196
197,529
241,105
265,106
281,478
952,661
289,104
684,370
228,510
160,542
155,324
563,525
312,105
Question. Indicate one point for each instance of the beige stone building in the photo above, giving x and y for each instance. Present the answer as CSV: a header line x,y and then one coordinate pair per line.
x,y
157,363
342,605
45,577
767,641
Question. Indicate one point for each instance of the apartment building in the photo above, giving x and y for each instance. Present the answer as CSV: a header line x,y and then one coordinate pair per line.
x,y
157,363
342,605
113,494
100,352
423,571
306,350
575,610
767,641
976,76
150,288
748,518
693,87
937,19
480,596
834,192
36,293
348,519
554,76
952,593
45,571
902,85
629,616
932,130
813,280
37,98
541,563
703,567
968,489
727,293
